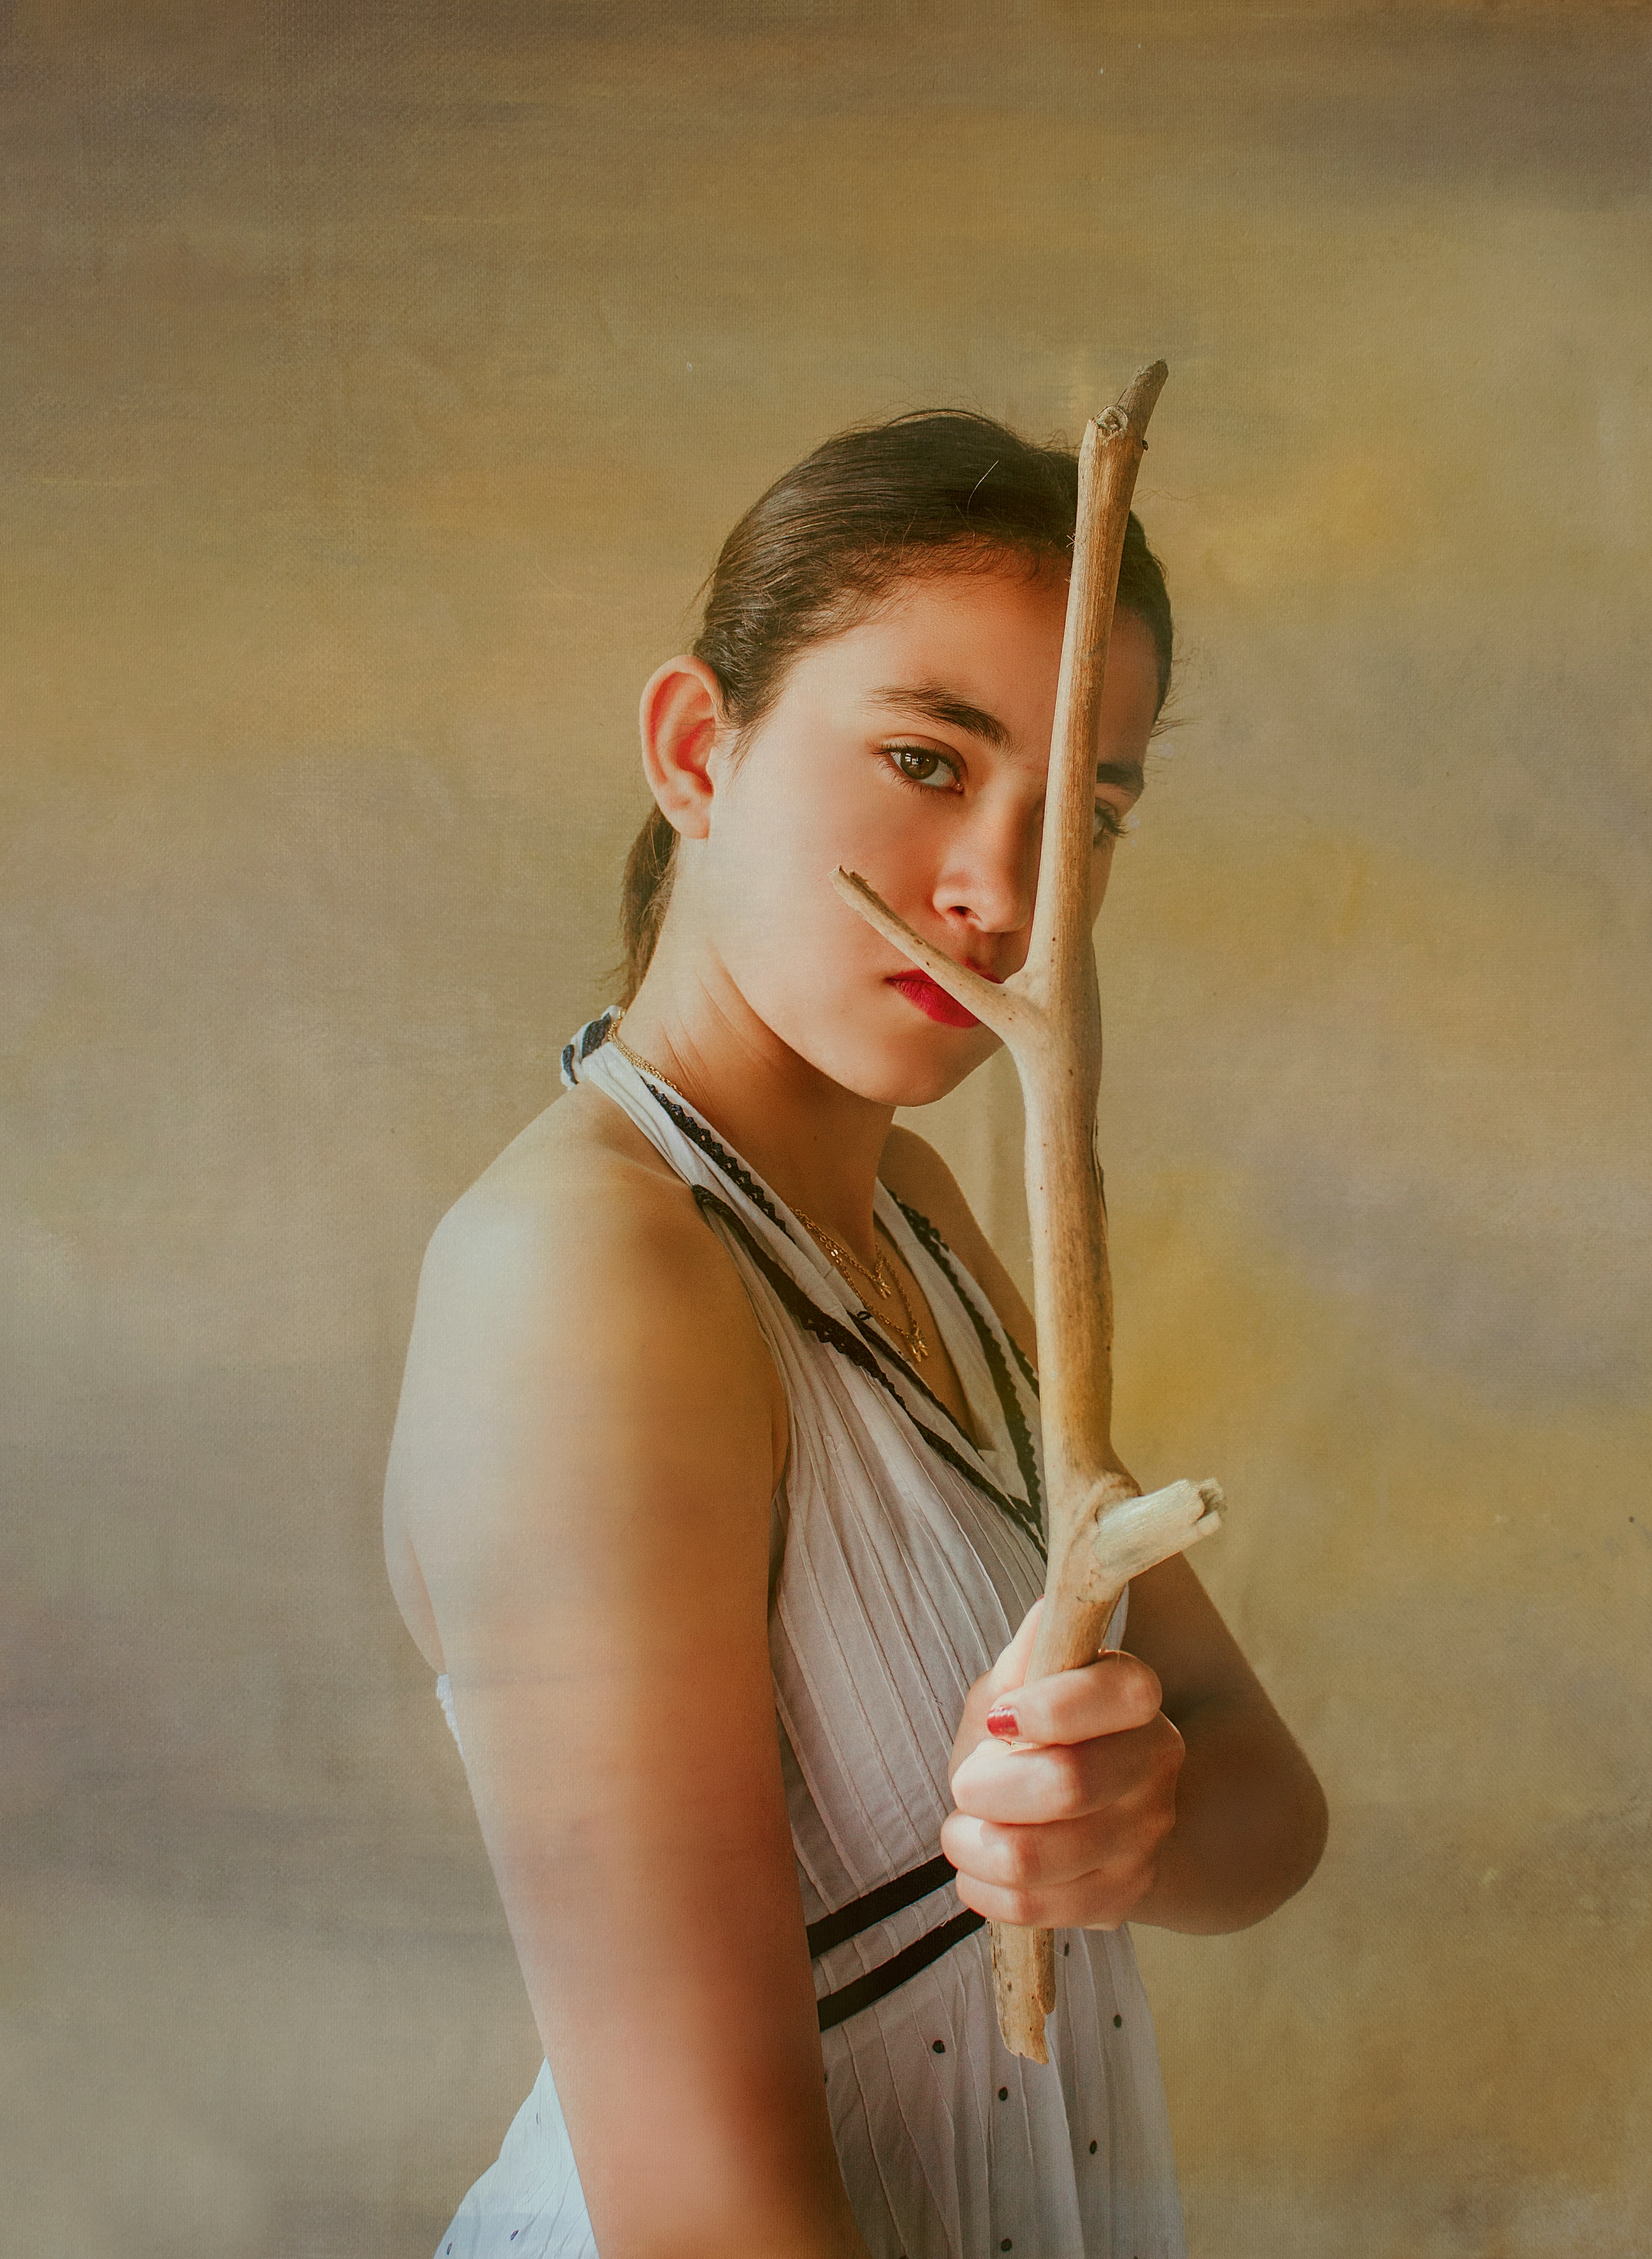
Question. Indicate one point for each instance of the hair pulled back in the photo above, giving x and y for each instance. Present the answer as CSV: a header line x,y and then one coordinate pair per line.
x,y
937,491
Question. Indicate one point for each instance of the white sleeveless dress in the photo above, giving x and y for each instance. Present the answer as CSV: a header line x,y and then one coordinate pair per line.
x,y
903,1559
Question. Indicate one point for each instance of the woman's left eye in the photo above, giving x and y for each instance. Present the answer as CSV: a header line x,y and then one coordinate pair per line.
x,y
922,765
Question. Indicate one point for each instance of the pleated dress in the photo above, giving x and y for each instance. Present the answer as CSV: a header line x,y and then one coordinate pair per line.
x,y
903,1556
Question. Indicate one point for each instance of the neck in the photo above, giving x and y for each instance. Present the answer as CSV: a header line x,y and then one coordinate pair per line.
x,y
818,1145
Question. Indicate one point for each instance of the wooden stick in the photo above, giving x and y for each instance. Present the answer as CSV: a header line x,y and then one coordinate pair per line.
x,y
1102,1532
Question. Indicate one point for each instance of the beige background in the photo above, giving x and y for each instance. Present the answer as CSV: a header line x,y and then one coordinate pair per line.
x,y
379,381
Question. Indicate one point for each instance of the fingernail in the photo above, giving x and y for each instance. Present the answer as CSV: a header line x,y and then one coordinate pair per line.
x,y
1001,1721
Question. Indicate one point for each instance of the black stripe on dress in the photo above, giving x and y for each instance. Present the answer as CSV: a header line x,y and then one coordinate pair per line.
x,y
596,1033
834,1334
583,1041
836,2007
877,1906
864,1913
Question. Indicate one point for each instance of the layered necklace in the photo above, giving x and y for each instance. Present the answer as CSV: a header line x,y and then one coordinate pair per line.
x,y
877,1274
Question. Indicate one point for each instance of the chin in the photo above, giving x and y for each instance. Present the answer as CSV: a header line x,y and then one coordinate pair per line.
x,y
938,1084
902,1074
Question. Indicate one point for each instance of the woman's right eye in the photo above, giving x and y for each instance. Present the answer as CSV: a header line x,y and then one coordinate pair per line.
x,y
922,764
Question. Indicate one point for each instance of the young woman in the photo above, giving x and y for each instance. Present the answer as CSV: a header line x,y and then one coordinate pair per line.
x,y
714,1493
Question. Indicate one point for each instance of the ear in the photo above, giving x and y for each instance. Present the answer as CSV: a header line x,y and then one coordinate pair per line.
x,y
680,719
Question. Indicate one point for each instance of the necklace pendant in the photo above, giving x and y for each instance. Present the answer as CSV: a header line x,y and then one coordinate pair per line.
x,y
877,1274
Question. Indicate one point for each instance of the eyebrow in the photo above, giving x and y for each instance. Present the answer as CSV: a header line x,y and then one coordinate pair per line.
x,y
938,704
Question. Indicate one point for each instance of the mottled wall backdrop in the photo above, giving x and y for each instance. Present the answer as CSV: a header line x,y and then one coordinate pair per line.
x,y
379,381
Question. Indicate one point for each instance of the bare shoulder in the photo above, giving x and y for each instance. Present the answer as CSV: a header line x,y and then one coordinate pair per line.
x,y
580,1172
916,1175
579,1267
578,1205
576,1319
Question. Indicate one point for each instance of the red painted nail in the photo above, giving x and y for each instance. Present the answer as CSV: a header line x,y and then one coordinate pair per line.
x,y
1000,1721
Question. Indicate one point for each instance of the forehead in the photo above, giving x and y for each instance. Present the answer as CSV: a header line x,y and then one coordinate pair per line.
x,y
992,638
983,644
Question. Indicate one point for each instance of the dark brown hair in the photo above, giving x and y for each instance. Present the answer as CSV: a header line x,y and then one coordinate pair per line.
x,y
938,491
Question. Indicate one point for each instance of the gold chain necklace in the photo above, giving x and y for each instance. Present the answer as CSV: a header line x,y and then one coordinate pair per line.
x,y
842,1259
647,1066
845,1260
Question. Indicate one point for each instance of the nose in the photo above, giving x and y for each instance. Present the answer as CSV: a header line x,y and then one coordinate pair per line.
x,y
989,877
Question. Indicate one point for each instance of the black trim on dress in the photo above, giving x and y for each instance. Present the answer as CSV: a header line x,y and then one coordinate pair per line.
x,y
1020,1356
700,1136
1026,1459
583,1041
596,1033
697,1134
834,1334
872,1335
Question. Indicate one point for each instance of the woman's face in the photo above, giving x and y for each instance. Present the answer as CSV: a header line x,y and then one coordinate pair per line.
x,y
912,749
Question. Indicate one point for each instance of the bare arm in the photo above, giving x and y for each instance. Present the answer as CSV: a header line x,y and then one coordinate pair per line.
x,y
585,1457
1168,1789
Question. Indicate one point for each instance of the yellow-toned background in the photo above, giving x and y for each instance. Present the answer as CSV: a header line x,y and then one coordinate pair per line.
x,y
379,381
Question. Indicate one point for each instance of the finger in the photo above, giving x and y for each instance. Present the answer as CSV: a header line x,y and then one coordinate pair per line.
x,y
1050,1857
1011,1667
1113,1695
1005,1673
1102,1900
1033,1786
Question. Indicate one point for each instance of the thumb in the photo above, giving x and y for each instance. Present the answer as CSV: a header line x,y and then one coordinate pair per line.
x,y
1010,1670
1005,1675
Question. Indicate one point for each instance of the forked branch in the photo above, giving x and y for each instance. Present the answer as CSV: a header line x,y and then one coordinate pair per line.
x,y
1102,1532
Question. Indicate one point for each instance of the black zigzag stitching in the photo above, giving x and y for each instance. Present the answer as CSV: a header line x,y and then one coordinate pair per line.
x,y
697,1134
583,1041
700,1136
835,1335
1025,1370
1015,1419
874,1340
815,1321
596,1034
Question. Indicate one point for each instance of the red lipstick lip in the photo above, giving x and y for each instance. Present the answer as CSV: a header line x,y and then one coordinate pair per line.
x,y
933,1000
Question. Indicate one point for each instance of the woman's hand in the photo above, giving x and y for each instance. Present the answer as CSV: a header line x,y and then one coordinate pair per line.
x,y
1065,1791
1161,1787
